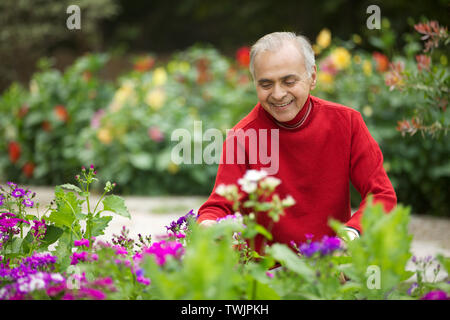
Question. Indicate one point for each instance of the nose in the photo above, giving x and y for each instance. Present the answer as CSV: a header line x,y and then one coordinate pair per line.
x,y
278,92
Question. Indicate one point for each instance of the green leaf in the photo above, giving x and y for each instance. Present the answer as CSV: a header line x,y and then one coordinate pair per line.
x,y
71,187
52,235
68,208
142,160
116,204
99,224
263,231
291,261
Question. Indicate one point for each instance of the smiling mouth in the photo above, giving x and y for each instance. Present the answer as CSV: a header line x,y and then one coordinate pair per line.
x,y
282,105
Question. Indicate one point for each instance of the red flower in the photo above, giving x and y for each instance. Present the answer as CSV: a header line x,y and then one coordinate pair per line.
x,y
46,126
203,74
155,134
14,151
144,63
28,169
243,56
23,111
423,62
61,113
381,60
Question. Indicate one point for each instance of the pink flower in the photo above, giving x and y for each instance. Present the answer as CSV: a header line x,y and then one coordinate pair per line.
x,y
155,134
82,242
436,295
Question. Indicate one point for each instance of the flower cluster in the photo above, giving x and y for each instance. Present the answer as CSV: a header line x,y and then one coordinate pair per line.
x,y
162,250
326,246
24,197
39,229
29,283
83,257
8,226
181,224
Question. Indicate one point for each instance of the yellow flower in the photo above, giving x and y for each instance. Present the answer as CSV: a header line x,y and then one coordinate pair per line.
x,y
367,111
324,38
159,76
357,39
172,168
122,95
156,98
367,67
317,50
178,66
325,78
357,59
104,135
341,58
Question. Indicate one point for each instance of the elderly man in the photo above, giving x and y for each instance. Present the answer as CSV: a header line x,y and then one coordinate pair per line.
x,y
322,147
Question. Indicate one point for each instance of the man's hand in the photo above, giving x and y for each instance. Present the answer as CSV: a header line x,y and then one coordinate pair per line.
x,y
207,223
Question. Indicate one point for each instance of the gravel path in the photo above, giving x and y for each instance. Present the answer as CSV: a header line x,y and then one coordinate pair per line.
x,y
150,215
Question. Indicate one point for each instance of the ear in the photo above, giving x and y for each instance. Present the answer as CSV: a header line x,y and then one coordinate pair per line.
x,y
313,78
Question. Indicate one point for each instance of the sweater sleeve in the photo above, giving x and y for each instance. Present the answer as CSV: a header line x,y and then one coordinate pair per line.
x,y
228,172
366,171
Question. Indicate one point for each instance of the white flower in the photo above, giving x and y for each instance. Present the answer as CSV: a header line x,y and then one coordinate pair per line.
x,y
270,183
248,186
36,283
255,175
288,201
221,189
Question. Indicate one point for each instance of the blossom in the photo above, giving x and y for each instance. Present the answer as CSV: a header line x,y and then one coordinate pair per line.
x,y
328,66
156,98
436,295
395,78
77,257
270,183
423,62
2,199
143,64
381,60
119,250
96,118
28,169
341,58
243,56
61,113
325,247
159,76
122,95
324,38
367,67
18,193
28,202
14,151
155,134
104,135
39,228
81,242
164,249
325,77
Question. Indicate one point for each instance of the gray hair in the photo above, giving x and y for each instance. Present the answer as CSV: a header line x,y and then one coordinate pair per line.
x,y
274,41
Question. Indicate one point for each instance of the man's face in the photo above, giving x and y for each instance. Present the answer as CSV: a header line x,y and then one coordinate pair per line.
x,y
282,82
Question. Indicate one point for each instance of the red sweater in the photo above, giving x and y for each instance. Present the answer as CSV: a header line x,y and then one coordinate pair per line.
x,y
316,163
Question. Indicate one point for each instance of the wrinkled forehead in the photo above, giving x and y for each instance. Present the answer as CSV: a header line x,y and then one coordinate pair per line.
x,y
279,62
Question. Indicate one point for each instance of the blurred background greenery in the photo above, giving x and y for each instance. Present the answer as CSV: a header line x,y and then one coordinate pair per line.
x,y
112,93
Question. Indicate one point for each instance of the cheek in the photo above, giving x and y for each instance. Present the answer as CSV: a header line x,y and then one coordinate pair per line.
x,y
262,94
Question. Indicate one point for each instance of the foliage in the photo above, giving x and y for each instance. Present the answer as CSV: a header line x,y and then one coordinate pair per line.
x,y
191,262
126,129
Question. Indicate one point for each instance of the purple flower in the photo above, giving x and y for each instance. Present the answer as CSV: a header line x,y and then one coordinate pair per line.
x,y
82,242
163,249
77,257
39,228
143,280
412,288
309,249
92,293
120,250
28,202
2,199
18,193
436,295
329,244
12,184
